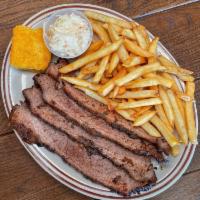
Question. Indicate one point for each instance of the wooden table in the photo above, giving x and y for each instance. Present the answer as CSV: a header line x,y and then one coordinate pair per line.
x,y
177,22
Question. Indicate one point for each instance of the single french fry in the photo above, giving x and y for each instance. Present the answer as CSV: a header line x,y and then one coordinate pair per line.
x,y
79,82
107,19
179,121
151,130
126,114
181,105
93,47
174,86
147,82
142,119
89,69
189,112
135,49
144,33
104,80
138,94
101,32
153,45
174,69
133,61
128,34
167,106
122,52
183,77
108,87
162,81
91,57
175,150
115,91
168,63
92,94
114,61
102,67
117,28
139,71
140,38
152,59
122,90
139,103
161,113
167,134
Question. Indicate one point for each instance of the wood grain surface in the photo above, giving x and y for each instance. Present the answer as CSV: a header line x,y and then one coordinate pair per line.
x,y
176,22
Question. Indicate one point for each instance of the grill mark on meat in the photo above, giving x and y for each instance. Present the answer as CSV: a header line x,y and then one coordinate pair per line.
x,y
139,167
113,118
96,126
92,165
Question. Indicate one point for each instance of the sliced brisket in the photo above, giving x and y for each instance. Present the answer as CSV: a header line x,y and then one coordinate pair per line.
x,y
113,118
85,160
139,167
94,125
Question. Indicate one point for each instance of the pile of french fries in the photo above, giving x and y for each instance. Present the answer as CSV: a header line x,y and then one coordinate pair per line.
x,y
122,69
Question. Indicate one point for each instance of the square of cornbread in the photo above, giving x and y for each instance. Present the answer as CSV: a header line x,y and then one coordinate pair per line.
x,y
28,50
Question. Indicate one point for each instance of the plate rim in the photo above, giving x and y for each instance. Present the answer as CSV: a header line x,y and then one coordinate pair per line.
x,y
32,150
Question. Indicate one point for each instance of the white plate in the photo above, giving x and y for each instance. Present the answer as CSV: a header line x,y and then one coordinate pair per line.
x,y
14,81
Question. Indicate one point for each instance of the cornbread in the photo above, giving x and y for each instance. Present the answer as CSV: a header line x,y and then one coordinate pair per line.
x,y
28,49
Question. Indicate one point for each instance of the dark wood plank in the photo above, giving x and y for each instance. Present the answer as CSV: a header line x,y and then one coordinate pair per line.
x,y
188,187
4,123
22,178
178,30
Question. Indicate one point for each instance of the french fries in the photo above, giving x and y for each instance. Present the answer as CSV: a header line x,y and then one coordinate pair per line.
x,y
151,130
139,71
153,45
94,47
123,71
107,88
133,61
189,112
101,69
179,120
135,49
122,52
92,94
107,19
167,106
114,61
161,113
91,57
128,34
127,114
162,81
142,119
139,103
80,82
167,134
140,39
138,94
183,74
101,32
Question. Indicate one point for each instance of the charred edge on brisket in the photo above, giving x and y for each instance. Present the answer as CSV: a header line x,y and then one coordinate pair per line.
x,y
139,167
91,164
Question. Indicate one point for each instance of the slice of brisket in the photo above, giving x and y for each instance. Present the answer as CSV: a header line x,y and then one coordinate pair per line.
x,y
113,118
85,160
52,69
139,167
91,123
